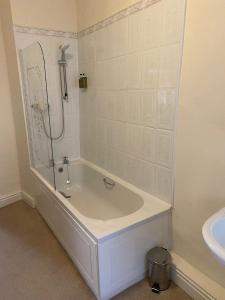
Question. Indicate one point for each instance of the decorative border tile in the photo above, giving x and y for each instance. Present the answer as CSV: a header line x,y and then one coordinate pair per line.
x,y
118,16
40,31
74,35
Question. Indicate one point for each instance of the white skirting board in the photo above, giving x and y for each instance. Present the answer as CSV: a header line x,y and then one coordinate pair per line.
x,y
9,199
16,196
28,199
195,283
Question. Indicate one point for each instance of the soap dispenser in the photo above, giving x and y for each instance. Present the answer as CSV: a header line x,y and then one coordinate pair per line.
x,y
83,81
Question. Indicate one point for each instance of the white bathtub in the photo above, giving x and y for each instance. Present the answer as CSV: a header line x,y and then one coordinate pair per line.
x,y
107,230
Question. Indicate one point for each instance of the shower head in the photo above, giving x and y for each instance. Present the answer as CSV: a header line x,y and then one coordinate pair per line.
x,y
64,47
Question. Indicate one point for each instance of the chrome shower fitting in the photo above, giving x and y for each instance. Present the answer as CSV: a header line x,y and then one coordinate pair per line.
x,y
67,162
42,108
63,78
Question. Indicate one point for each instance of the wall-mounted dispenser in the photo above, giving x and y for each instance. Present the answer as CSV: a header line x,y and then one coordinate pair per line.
x,y
83,81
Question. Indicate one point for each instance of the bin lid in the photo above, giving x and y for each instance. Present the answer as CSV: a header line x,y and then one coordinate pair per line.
x,y
159,255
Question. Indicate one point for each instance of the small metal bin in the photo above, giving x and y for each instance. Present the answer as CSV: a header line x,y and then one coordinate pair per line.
x,y
159,262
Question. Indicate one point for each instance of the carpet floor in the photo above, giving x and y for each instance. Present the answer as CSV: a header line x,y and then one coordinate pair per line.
x,y
34,266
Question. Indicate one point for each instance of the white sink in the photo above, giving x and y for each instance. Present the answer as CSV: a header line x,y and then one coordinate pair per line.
x,y
214,234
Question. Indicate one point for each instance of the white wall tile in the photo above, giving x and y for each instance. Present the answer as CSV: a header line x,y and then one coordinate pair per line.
x,y
118,43
111,134
86,48
121,136
150,69
91,140
164,184
153,25
90,49
134,140
134,70
173,26
134,107
101,40
133,170
81,46
101,132
100,74
166,107
169,66
148,108
164,148
101,156
149,144
121,105
101,106
106,105
111,106
119,74
88,139
116,135
135,89
135,31
148,177
116,163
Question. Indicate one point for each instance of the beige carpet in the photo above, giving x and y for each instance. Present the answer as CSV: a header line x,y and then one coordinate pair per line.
x,y
34,266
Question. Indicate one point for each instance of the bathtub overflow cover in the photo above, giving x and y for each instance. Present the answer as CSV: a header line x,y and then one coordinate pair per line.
x,y
109,183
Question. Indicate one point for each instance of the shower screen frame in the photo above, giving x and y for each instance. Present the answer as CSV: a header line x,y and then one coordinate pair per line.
x,y
40,109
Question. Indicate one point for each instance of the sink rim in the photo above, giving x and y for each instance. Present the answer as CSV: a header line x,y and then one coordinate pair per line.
x,y
210,240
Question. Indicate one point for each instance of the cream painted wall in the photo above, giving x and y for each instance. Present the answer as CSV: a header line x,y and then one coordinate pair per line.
x,y
200,143
91,12
47,14
9,175
27,183
64,16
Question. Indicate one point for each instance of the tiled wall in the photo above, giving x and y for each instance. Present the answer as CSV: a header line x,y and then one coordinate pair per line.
x,y
127,115
70,144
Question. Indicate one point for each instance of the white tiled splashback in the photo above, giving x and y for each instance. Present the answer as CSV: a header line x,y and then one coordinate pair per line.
x,y
127,114
70,144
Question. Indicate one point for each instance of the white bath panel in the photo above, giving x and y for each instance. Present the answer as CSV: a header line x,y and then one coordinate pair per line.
x,y
122,259
79,245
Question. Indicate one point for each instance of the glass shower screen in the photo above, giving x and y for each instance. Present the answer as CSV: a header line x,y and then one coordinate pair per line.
x,y
37,110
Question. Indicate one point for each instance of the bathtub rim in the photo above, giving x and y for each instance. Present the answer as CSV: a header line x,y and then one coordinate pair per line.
x,y
102,230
